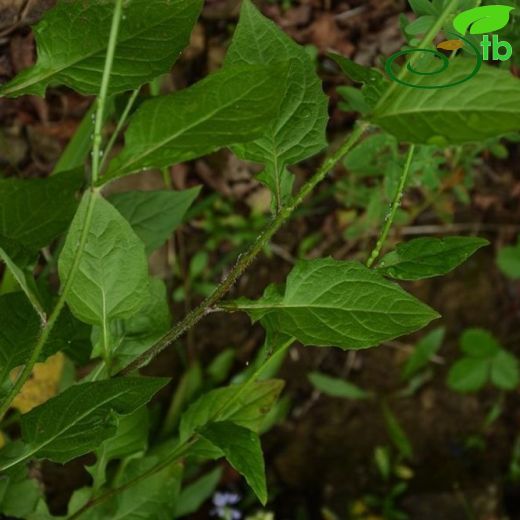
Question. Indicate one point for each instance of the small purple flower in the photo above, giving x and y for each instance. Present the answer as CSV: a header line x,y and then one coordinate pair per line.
x,y
222,503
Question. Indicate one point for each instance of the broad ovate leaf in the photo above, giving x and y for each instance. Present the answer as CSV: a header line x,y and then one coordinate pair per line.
x,y
468,374
328,302
233,105
297,129
72,41
19,494
35,211
110,278
154,215
136,334
243,451
20,326
429,256
245,404
483,107
80,418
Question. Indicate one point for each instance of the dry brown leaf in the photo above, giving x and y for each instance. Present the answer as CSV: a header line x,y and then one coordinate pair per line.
x,y
450,45
42,385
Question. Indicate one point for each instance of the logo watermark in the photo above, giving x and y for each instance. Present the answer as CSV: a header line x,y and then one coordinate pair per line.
x,y
476,21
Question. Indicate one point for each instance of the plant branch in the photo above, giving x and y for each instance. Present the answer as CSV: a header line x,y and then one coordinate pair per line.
x,y
119,127
176,454
48,325
245,260
184,446
389,219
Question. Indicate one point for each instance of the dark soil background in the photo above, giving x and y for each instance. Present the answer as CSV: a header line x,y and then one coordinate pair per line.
x,y
321,455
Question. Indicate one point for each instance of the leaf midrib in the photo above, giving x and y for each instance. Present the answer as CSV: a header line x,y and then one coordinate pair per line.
x,y
75,422
315,306
42,77
123,169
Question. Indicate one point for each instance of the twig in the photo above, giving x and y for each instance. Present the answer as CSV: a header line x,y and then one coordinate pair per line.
x,y
245,260
389,219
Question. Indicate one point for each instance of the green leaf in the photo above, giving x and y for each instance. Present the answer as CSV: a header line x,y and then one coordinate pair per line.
x,y
233,105
19,494
468,374
152,497
486,106
484,19
154,215
131,438
372,155
425,349
353,100
243,451
421,25
373,80
245,404
111,279
397,434
193,496
34,212
220,367
344,304
27,284
428,257
422,7
297,129
136,334
479,343
79,419
72,41
508,260
19,329
504,371
336,387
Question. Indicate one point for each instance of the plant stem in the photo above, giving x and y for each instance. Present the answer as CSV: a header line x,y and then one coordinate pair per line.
x,y
389,219
48,325
184,447
245,260
103,91
179,452
119,127
427,40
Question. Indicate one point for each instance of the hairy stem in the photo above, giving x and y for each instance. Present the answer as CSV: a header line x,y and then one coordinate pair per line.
x,y
48,325
245,260
389,219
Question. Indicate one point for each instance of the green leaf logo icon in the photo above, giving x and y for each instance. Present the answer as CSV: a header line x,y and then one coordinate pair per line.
x,y
481,20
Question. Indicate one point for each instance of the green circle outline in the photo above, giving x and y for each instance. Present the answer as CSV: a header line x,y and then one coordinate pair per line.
x,y
445,64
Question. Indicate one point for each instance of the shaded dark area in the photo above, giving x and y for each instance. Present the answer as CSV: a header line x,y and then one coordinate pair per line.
x,y
321,455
